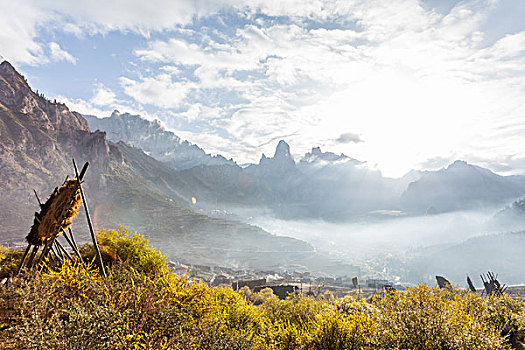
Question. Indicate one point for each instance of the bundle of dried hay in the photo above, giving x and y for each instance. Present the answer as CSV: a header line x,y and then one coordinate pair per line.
x,y
66,198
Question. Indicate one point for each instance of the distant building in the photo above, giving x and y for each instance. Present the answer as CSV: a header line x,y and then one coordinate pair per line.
x,y
250,283
203,268
282,291
376,283
220,279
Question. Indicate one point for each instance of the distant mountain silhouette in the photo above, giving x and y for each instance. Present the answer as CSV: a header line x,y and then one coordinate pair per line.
x,y
319,185
461,186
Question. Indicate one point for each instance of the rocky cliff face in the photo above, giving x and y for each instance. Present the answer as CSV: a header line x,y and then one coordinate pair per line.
x,y
281,161
15,94
39,137
155,140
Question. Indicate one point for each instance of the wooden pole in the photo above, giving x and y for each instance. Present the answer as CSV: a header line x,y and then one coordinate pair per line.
x,y
91,230
45,251
64,251
23,259
32,256
58,227
38,199
73,239
51,240
77,253
56,248
83,171
57,255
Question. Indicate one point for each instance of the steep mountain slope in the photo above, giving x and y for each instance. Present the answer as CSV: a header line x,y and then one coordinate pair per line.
x,y
37,140
346,186
155,140
321,185
461,186
123,185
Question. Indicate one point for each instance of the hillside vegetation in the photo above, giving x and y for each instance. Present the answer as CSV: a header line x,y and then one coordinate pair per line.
x,y
141,305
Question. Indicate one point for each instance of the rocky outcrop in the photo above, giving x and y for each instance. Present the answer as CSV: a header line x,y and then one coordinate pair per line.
x,y
155,140
39,137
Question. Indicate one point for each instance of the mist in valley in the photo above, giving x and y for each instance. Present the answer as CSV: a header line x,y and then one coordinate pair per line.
x,y
412,249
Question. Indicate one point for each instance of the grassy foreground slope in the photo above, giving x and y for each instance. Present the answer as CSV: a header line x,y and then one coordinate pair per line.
x,y
141,305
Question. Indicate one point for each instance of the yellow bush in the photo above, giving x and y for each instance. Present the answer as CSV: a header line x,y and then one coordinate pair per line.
x,y
9,260
72,279
120,245
431,318
262,296
142,306
336,331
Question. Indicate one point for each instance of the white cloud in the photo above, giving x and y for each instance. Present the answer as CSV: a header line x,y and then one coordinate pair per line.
x,y
83,107
103,96
58,54
160,90
102,103
348,137
18,28
408,76
133,15
401,75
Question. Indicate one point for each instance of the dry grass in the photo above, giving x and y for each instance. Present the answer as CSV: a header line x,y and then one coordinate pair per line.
x,y
66,198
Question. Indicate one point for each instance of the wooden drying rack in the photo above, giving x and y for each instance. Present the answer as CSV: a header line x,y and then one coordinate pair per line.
x,y
51,244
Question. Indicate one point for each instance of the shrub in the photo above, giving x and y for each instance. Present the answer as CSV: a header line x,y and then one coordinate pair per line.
x,y
120,245
290,320
506,316
142,306
431,318
262,296
9,260
338,331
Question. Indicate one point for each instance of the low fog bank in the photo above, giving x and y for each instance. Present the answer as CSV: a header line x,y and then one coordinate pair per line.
x,y
415,249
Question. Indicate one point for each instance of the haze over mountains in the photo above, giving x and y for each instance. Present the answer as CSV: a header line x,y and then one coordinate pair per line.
x,y
319,185
456,233
335,215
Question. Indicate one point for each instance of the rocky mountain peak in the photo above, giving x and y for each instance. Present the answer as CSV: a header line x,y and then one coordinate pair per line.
x,y
282,158
318,156
317,151
152,137
39,136
459,164
282,151
6,67
17,95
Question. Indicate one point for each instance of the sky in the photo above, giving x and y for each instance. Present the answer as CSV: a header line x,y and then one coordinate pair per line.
x,y
400,84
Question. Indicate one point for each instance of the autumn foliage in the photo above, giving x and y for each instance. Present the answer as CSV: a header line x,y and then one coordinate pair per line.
x,y
141,305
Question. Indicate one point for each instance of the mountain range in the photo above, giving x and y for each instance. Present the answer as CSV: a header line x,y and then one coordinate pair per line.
x,y
319,185
123,185
154,139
